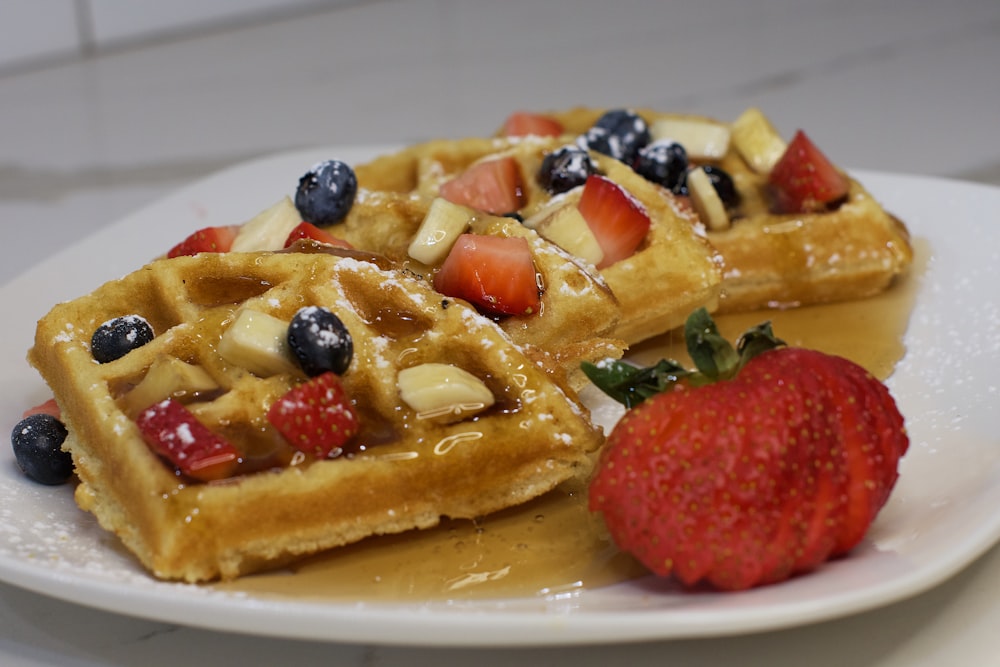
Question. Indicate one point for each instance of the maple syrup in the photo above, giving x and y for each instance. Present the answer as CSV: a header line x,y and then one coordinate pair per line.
x,y
554,545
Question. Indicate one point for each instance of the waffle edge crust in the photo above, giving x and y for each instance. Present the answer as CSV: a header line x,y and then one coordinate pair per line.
x,y
410,472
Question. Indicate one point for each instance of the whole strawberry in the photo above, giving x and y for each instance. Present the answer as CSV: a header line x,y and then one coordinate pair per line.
x,y
765,462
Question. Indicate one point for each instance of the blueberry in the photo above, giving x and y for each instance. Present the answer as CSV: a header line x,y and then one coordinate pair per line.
x,y
116,338
565,168
619,133
37,441
326,193
721,181
662,162
320,341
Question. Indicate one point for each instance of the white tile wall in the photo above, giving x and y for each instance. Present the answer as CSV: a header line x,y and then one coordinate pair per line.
x,y
35,31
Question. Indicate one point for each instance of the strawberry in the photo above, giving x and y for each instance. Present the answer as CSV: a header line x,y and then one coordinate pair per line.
x,y
763,463
493,186
49,407
174,433
804,180
494,273
618,221
310,231
316,417
209,239
525,123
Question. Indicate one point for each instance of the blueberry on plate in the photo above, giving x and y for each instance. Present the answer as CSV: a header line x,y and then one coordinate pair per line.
x,y
119,336
320,341
326,193
721,181
37,441
564,169
663,162
619,133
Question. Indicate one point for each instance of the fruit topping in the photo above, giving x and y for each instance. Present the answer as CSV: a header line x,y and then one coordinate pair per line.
x,y
619,133
443,392
702,139
804,180
316,417
568,230
496,274
208,239
443,223
762,463
326,193
706,198
309,231
493,186
119,336
617,220
268,229
564,169
49,407
169,377
320,341
524,124
258,342
756,140
37,442
662,162
173,432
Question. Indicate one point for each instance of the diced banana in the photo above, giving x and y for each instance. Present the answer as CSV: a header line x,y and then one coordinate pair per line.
x,y
443,223
568,230
756,140
443,392
701,139
258,342
269,229
168,377
706,200
537,218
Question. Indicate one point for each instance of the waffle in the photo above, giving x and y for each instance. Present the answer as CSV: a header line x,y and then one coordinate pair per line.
x,y
673,272
404,470
784,260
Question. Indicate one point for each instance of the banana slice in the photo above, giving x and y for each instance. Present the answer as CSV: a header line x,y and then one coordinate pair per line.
x,y
706,200
269,229
702,140
756,140
258,342
442,391
443,223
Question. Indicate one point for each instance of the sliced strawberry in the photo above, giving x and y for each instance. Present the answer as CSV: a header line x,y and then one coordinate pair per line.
x,y
49,407
309,231
209,239
525,123
493,186
764,462
804,180
172,431
619,222
316,417
494,273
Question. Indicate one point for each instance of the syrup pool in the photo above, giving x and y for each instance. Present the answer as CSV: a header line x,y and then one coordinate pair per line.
x,y
553,546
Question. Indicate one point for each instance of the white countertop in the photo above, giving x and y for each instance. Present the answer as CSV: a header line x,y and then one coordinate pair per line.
x,y
885,85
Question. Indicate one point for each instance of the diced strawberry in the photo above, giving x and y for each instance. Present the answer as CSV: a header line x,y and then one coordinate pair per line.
x,y
494,273
49,407
804,180
525,123
493,186
209,239
618,221
309,231
316,417
173,432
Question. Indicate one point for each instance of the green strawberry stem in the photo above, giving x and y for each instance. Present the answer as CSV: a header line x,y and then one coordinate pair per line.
x,y
714,357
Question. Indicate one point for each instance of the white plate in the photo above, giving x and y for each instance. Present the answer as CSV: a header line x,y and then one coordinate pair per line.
x,y
941,516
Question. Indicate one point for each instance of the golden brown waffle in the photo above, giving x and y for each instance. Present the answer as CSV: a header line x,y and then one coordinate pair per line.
x,y
784,260
402,471
673,272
